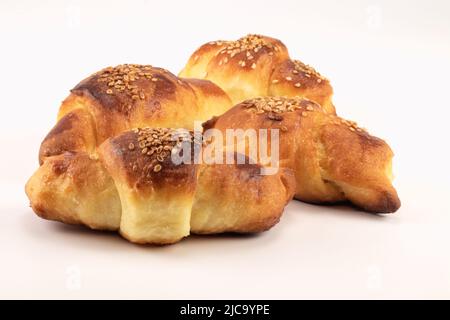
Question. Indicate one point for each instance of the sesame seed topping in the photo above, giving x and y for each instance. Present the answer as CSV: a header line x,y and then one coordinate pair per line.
x,y
159,143
288,78
131,146
275,81
122,79
277,105
306,70
250,44
253,65
298,85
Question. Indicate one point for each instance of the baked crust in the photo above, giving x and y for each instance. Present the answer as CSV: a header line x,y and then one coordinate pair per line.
x,y
135,188
118,99
333,159
238,198
156,194
257,65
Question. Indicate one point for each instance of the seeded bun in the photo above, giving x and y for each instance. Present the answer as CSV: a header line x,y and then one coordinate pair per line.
x,y
128,96
334,160
257,65
135,188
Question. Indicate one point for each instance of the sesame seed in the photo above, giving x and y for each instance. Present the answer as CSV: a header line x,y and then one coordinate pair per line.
x,y
304,113
131,146
275,81
158,143
288,78
275,106
157,168
253,65
309,108
122,79
298,84
306,70
249,44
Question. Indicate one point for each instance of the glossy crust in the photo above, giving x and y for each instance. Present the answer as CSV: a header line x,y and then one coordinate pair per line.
x,y
103,106
156,205
76,189
237,198
333,159
93,170
151,200
257,65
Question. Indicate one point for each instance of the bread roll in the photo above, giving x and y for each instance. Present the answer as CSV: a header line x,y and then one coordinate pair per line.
x,y
334,160
257,65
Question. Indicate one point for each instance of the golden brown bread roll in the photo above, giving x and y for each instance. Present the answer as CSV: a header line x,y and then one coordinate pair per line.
x,y
257,65
130,96
135,188
333,159
97,172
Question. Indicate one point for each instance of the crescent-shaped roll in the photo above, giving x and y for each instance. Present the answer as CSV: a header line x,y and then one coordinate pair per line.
x,y
117,99
333,159
134,186
257,65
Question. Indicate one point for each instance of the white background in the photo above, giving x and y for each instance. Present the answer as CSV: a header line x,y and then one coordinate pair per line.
x,y
389,63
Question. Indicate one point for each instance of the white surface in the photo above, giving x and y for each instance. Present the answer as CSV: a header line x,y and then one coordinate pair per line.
x,y
389,65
